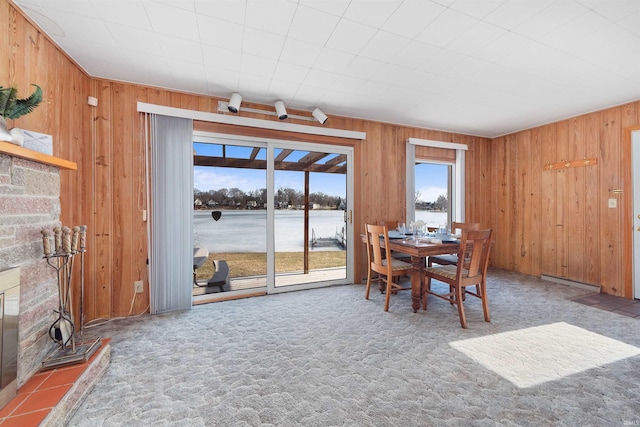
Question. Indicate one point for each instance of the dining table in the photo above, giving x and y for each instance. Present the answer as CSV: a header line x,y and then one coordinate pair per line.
x,y
419,249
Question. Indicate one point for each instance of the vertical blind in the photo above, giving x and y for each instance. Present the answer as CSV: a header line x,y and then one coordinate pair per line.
x,y
171,245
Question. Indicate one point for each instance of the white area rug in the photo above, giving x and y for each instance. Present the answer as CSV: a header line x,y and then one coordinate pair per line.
x,y
532,356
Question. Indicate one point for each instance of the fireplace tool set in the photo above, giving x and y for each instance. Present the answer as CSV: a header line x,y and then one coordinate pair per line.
x,y
67,243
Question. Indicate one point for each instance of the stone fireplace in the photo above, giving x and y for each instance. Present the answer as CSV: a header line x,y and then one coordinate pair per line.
x,y
29,202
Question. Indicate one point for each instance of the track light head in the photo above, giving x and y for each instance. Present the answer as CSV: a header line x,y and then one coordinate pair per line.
x,y
234,102
319,116
281,112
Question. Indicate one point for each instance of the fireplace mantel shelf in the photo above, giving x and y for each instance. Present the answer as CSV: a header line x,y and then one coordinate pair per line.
x,y
18,151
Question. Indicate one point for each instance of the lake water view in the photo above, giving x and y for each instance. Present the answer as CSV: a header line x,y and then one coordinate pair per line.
x,y
245,230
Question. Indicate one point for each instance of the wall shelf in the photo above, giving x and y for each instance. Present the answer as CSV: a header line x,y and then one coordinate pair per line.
x,y
18,151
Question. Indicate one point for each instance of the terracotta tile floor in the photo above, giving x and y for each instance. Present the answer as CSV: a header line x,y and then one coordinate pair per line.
x,y
41,393
624,306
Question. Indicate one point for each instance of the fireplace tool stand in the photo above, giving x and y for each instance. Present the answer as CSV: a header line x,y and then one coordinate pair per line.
x,y
67,244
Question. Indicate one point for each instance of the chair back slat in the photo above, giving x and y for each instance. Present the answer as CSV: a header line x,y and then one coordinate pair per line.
x,y
455,226
474,250
375,235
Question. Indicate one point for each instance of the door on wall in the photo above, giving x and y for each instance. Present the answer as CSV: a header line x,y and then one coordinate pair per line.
x,y
229,218
310,221
635,148
283,213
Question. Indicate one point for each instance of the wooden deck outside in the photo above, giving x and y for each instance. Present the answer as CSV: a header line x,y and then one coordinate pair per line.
x,y
259,283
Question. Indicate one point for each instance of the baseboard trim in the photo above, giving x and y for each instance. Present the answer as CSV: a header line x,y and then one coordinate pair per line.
x,y
572,283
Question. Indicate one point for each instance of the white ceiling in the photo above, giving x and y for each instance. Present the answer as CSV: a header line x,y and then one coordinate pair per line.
x,y
479,67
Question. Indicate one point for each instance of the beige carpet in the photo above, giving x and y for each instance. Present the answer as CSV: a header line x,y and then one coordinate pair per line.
x,y
328,357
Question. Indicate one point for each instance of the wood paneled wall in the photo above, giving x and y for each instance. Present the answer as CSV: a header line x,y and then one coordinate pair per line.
x,y
557,222
546,222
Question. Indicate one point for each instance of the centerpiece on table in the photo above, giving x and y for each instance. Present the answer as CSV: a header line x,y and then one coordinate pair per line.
x,y
12,107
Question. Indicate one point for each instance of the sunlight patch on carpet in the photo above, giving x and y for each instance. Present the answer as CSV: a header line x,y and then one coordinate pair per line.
x,y
533,356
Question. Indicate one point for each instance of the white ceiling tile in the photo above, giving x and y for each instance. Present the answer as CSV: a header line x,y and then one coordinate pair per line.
x,y
282,90
412,16
414,80
312,26
257,66
555,16
217,32
475,8
320,79
310,97
362,68
81,8
84,29
225,10
256,86
333,60
181,50
261,43
416,55
383,46
227,59
290,73
443,60
573,33
192,78
502,46
188,5
334,7
300,53
273,16
475,38
132,14
512,13
389,74
220,78
467,68
446,28
346,84
350,36
373,13
129,38
613,10
631,23
172,21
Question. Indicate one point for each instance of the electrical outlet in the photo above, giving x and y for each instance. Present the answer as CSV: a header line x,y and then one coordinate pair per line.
x,y
138,285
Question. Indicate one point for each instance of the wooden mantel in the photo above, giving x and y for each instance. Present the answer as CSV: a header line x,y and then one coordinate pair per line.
x,y
18,151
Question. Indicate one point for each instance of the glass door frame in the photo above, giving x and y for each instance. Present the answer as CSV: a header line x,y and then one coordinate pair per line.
x,y
271,144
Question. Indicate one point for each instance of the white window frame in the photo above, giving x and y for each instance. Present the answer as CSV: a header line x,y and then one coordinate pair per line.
x,y
457,203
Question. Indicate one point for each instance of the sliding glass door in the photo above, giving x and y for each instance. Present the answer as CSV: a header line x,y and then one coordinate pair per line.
x,y
310,239
230,217
282,211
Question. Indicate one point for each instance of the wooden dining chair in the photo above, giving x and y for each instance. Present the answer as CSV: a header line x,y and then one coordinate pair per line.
x,y
475,246
382,263
452,259
391,225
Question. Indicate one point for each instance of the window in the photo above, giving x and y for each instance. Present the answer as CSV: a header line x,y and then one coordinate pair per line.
x,y
436,157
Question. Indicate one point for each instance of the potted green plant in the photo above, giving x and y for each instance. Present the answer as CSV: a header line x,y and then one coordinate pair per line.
x,y
11,107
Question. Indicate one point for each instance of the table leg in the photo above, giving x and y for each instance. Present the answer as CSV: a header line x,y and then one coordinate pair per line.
x,y
416,282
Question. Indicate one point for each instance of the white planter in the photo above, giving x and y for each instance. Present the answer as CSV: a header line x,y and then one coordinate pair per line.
x,y
4,132
17,137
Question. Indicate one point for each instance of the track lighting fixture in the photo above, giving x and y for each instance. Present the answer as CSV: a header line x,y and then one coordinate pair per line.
x,y
234,102
281,112
319,116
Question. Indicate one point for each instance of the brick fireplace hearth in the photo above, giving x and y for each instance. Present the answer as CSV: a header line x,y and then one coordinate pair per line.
x,y
30,202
